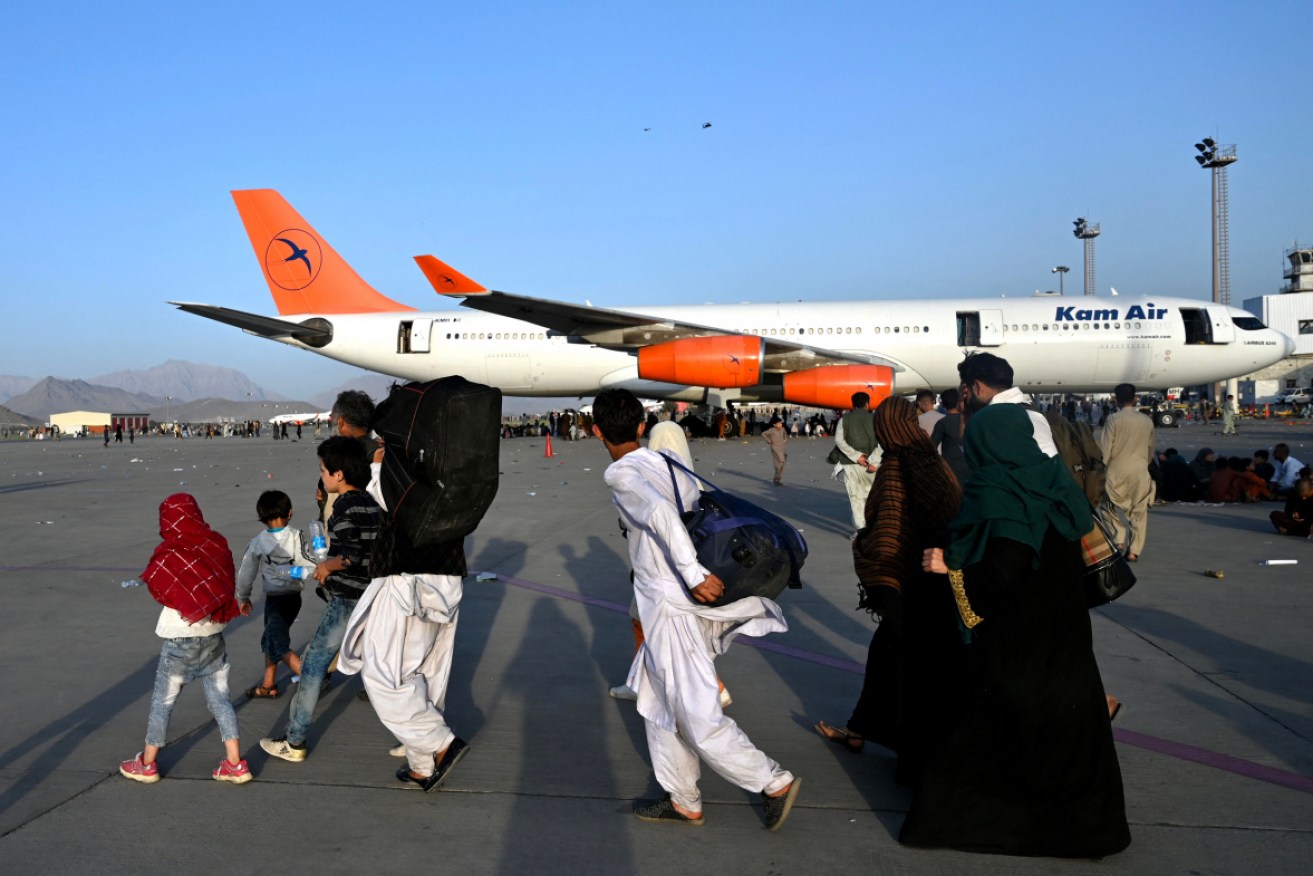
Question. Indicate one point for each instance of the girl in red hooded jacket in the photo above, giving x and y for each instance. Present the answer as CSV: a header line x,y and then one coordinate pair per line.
x,y
191,576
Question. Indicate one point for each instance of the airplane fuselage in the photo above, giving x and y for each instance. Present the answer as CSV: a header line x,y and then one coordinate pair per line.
x,y
1055,344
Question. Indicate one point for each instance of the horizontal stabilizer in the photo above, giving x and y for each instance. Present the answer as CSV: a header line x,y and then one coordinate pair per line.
x,y
265,326
445,279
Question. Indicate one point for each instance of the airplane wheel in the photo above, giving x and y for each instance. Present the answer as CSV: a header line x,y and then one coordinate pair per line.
x,y
1167,420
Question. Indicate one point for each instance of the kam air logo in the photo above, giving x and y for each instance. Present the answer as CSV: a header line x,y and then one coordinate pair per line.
x,y
293,259
1109,314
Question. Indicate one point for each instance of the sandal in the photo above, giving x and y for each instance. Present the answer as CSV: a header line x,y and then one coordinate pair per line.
x,y
841,736
260,692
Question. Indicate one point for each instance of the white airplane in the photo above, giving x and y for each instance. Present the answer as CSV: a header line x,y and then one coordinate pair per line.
x,y
305,418
813,353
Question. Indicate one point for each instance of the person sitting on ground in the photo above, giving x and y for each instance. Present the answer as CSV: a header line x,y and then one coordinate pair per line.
x,y
276,557
1177,481
1287,470
1249,486
1203,465
1262,467
1297,517
1222,486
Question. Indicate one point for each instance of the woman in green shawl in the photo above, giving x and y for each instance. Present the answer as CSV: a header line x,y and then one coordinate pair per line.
x,y
1028,766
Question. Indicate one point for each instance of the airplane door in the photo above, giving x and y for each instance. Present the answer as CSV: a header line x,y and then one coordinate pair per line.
x,y
980,328
413,335
991,328
1223,328
420,332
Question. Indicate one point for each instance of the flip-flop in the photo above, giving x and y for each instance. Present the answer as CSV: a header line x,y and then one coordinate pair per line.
x,y
841,736
263,693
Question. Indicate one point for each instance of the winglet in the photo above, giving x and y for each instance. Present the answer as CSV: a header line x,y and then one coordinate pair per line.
x,y
445,279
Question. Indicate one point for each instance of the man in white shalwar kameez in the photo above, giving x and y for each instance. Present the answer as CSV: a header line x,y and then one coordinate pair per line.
x,y
673,672
400,638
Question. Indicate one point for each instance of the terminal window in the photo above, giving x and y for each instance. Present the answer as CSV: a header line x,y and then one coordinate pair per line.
x,y
1306,326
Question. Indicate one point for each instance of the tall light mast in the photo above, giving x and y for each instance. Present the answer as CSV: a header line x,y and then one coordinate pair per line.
x,y
1087,232
1217,158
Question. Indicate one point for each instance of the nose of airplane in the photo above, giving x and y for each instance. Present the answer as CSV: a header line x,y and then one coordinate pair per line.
x,y
1290,345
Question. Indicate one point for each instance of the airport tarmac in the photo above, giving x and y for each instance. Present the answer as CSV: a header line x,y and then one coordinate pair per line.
x,y
1215,740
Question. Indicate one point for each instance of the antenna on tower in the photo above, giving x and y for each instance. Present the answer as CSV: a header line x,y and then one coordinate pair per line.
x,y
1087,232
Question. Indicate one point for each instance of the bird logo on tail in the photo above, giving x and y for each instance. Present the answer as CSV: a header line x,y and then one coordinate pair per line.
x,y
292,259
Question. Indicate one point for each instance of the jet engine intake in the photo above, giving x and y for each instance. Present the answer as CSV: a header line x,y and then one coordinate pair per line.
x,y
721,361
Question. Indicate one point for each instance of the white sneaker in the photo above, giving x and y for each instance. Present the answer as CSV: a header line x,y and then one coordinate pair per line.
x,y
397,750
280,747
623,692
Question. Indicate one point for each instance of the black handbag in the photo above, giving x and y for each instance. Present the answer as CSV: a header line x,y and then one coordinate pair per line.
x,y
1110,576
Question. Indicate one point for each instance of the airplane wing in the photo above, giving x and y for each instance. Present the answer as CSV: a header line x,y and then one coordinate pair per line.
x,y
619,329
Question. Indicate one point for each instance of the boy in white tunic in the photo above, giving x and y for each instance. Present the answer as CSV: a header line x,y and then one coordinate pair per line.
x,y
673,672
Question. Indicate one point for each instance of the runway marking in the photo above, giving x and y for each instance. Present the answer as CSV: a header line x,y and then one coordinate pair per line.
x,y
1179,750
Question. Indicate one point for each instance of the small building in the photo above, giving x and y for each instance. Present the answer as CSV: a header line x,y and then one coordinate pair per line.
x,y
95,422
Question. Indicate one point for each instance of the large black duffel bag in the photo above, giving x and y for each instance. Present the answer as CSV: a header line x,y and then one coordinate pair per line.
x,y
753,551
439,470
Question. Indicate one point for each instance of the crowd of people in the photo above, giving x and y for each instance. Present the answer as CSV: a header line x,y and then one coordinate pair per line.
x,y
967,518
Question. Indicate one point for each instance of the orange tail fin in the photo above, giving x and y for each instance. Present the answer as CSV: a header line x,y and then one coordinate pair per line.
x,y
304,273
445,279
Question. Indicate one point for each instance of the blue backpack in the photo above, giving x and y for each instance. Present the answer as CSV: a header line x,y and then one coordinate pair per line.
x,y
755,552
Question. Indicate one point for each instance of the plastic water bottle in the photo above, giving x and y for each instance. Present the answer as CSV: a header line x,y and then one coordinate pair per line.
x,y
299,573
318,541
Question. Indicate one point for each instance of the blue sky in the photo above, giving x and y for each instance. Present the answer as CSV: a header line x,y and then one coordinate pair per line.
x,y
857,150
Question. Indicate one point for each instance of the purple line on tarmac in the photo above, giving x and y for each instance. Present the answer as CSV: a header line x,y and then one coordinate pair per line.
x,y
70,568
1179,750
1225,762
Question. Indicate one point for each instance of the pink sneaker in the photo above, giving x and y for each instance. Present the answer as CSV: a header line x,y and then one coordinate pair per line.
x,y
237,773
146,773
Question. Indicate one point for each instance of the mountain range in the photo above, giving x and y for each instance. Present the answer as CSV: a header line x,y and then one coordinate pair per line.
x,y
186,391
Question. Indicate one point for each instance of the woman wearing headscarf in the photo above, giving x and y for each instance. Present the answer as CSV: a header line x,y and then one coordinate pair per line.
x,y
1027,766
910,665
1203,465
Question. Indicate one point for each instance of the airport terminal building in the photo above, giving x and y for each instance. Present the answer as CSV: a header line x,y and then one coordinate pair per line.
x,y
1290,311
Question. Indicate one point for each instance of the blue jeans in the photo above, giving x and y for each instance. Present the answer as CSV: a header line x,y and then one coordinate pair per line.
x,y
280,611
187,659
318,654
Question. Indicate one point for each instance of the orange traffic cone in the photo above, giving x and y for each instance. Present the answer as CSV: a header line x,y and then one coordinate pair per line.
x,y
1267,411
548,452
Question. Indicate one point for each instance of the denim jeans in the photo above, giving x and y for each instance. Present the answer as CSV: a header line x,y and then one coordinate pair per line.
x,y
280,611
318,654
187,659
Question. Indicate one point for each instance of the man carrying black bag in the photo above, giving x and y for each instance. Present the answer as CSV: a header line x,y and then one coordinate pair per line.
x,y
435,478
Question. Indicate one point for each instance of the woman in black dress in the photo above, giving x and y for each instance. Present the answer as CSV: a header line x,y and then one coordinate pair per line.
x,y
1028,765
906,693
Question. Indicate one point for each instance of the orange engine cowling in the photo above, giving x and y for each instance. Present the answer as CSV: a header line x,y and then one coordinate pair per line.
x,y
832,386
721,361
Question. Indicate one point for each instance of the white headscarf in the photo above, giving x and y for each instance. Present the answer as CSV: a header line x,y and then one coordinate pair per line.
x,y
669,436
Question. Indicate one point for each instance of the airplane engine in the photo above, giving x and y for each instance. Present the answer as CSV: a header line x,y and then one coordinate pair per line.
x,y
720,361
832,386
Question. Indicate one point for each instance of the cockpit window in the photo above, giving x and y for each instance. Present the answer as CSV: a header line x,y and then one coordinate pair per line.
x,y
1248,323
